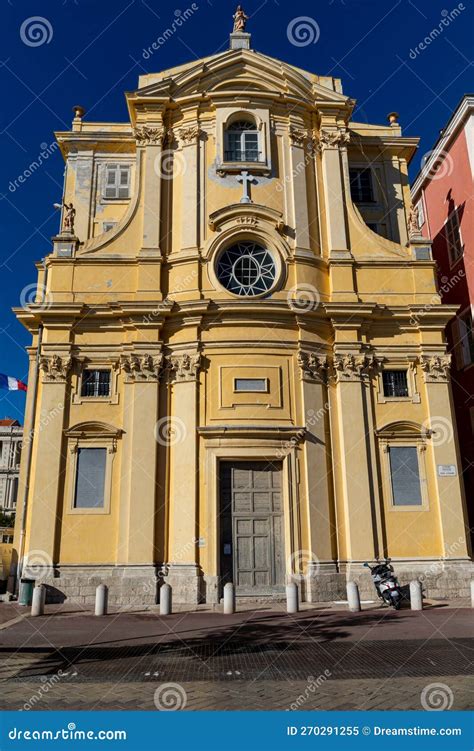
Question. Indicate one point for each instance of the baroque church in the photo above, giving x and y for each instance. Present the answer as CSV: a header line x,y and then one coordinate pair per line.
x,y
238,368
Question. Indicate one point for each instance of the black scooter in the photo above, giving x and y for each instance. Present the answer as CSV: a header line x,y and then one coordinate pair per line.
x,y
386,583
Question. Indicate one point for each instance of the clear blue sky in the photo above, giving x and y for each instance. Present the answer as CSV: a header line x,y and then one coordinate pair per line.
x,y
91,51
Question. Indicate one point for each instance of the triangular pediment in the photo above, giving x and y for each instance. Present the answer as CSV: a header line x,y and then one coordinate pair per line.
x,y
239,70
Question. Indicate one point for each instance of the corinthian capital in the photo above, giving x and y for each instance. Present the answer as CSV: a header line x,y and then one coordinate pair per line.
x,y
188,135
141,367
55,368
146,134
185,367
353,367
333,139
313,367
298,137
436,368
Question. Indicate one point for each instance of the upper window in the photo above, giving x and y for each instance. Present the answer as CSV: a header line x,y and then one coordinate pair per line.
x,y
395,383
90,478
453,237
242,142
405,476
95,383
246,269
466,339
421,213
117,181
361,185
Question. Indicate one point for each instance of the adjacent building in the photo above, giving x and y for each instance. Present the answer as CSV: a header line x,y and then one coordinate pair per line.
x,y
243,373
442,194
11,435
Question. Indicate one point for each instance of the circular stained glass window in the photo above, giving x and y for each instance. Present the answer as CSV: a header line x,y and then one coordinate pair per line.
x,y
246,269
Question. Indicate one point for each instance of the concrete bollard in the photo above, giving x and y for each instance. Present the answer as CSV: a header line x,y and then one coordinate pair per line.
x,y
353,598
292,598
165,599
101,599
416,597
472,594
229,599
39,599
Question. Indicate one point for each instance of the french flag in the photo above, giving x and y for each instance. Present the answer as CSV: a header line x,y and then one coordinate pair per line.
x,y
12,384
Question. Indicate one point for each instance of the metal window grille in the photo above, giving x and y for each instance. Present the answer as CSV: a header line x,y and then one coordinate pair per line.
x,y
395,383
95,383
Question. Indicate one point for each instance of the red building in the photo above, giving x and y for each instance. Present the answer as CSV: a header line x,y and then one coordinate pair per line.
x,y
443,193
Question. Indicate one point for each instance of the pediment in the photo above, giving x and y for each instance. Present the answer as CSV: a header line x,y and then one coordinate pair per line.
x,y
93,429
240,70
402,429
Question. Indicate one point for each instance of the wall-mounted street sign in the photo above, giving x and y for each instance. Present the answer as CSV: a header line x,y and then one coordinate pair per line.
x,y
447,470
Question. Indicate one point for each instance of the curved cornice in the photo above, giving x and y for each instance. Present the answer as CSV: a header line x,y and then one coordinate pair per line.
x,y
241,210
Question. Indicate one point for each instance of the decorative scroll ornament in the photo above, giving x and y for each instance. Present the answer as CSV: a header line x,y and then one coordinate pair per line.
x,y
55,368
146,135
141,367
189,135
354,367
297,136
436,368
313,366
184,367
332,139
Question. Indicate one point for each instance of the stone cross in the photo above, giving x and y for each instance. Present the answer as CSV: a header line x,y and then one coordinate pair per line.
x,y
246,179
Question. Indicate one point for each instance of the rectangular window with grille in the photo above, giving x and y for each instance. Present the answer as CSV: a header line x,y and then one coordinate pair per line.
x,y
361,185
90,478
95,383
117,181
395,383
405,476
453,237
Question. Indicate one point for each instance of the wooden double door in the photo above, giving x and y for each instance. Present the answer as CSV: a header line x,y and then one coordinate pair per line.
x,y
251,527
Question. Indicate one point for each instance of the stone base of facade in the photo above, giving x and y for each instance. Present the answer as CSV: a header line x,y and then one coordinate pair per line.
x,y
137,586
186,582
130,586
441,579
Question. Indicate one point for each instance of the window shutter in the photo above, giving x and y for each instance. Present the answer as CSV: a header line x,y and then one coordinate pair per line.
x,y
124,182
111,181
464,343
405,476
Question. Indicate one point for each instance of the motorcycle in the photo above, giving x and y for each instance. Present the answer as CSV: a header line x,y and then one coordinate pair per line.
x,y
386,583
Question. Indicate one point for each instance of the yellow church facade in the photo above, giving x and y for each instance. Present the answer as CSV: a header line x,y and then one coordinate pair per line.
x,y
238,369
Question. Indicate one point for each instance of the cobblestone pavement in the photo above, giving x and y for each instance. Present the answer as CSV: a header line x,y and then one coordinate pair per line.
x,y
260,659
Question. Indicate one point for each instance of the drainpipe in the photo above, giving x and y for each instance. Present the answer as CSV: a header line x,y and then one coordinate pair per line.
x,y
34,385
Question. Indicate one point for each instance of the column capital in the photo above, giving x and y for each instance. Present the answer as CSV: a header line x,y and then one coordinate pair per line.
x,y
333,139
313,366
55,368
184,367
348,367
147,135
435,368
141,368
188,135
